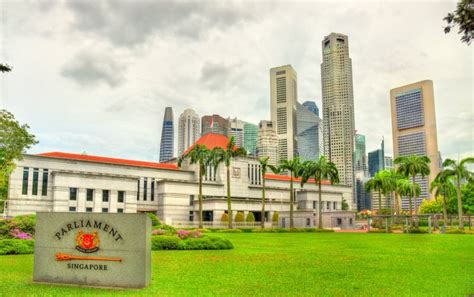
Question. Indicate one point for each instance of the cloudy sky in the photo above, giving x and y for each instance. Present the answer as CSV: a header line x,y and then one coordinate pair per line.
x,y
96,76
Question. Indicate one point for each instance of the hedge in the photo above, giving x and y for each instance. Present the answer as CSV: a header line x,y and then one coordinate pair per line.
x,y
165,242
16,246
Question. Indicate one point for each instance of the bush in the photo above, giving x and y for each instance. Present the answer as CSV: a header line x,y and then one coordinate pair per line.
x,y
418,230
229,231
250,217
225,217
246,230
17,225
275,217
202,243
155,222
239,217
16,246
378,231
164,242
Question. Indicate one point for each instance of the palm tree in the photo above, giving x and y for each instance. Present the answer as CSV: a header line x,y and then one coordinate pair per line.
x,y
411,166
406,188
263,170
294,168
199,155
389,178
459,173
319,170
376,183
226,155
443,186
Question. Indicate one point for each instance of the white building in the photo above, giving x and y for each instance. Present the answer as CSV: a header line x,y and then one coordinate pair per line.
x,y
62,182
237,130
267,142
189,129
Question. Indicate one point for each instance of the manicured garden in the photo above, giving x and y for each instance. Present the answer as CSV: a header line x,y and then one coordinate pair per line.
x,y
290,264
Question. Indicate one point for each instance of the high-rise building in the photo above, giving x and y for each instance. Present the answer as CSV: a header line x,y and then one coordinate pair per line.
x,y
360,155
283,98
388,162
338,104
167,136
189,129
414,128
363,197
250,138
215,124
309,133
237,130
267,142
311,105
376,160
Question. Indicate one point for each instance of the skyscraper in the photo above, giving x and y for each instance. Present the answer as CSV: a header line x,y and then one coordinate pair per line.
x,y
283,98
414,128
309,133
250,138
167,136
388,162
311,105
237,130
360,155
189,128
267,142
338,104
215,124
376,160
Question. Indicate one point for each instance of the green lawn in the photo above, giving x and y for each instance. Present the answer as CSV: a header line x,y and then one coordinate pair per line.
x,y
292,264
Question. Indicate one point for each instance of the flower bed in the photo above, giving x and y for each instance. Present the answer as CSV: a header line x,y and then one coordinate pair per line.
x,y
168,242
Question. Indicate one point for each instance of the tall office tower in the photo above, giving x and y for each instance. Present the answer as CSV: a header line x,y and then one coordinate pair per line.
x,y
363,197
167,136
360,156
311,105
267,142
338,104
237,130
283,98
388,162
250,138
376,160
309,133
189,129
414,128
214,124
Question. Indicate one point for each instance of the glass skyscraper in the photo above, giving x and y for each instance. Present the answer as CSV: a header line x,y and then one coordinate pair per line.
x,y
250,138
311,105
309,133
167,136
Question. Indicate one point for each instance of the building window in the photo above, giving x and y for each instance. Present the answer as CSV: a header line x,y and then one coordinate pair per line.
x,y
191,200
191,216
72,208
308,222
88,209
138,189
44,185
328,205
35,181
339,221
105,209
334,205
72,193
105,195
152,189
145,194
121,196
120,210
315,203
350,221
26,173
90,195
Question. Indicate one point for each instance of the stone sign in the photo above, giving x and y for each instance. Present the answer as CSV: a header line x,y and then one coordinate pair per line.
x,y
93,249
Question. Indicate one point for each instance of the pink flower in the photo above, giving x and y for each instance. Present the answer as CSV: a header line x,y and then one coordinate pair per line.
x,y
182,234
18,234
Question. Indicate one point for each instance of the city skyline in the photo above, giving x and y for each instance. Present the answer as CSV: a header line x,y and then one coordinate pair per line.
x,y
232,84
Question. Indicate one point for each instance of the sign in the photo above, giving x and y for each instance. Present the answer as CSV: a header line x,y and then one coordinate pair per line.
x,y
93,249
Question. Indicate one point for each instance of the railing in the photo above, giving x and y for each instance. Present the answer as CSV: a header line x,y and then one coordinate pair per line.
x,y
217,224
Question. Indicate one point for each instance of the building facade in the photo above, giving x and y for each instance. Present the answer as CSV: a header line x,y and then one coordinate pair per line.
x,y
189,129
237,130
250,138
338,104
311,105
215,124
360,155
167,136
388,162
267,142
414,128
309,133
283,99
376,161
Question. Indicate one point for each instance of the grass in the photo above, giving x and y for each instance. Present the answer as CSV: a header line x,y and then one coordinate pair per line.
x,y
291,264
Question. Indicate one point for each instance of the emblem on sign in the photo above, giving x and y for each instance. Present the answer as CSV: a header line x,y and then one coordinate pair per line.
x,y
87,242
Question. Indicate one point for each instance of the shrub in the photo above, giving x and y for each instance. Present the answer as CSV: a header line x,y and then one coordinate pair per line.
x,y
203,230
246,230
418,230
183,234
16,246
275,217
18,234
155,222
224,217
25,223
158,232
250,217
229,231
239,217
378,231
164,242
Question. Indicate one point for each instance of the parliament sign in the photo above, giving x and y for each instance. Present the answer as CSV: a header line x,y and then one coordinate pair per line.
x,y
93,249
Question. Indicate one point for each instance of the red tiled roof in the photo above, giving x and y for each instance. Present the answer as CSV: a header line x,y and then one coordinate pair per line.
x,y
287,178
89,158
211,140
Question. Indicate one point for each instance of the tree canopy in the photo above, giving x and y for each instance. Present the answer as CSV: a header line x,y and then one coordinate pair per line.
x,y
463,17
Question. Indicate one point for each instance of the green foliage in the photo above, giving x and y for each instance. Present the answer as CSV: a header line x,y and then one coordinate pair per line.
x,y
431,206
275,217
250,217
344,204
378,231
229,231
290,230
165,242
16,246
415,230
239,217
25,223
247,230
5,68
155,222
225,217
463,17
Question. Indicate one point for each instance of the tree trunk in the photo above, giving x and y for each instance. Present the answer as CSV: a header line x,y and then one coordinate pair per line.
x,y
380,209
320,212
200,197
229,206
445,212
263,202
291,200
415,201
458,192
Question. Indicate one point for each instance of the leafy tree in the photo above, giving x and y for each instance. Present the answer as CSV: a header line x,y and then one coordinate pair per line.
x,y
405,188
443,187
459,173
463,17
239,217
250,217
376,183
294,168
200,155
226,156
319,170
431,206
5,68
344,204
264,166
14,141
